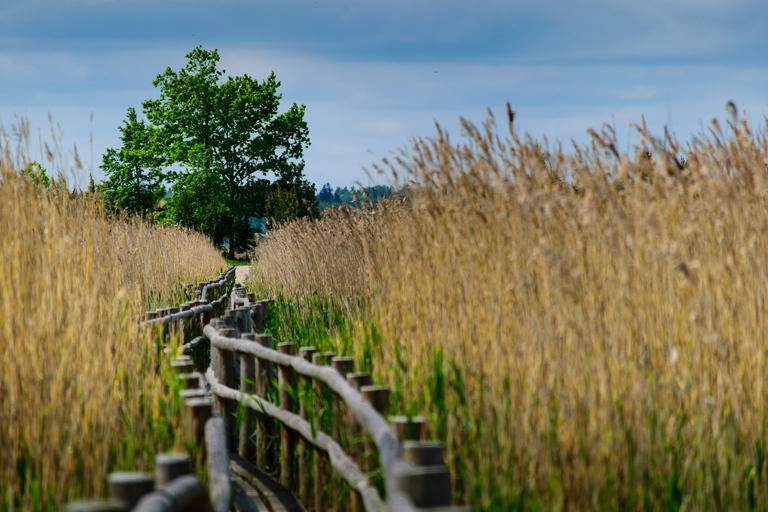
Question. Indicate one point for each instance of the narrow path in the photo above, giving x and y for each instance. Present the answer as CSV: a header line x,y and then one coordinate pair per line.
x,y
241,272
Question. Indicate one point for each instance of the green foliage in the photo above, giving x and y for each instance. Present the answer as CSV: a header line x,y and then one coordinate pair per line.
x,y
216,141
36,174
282,207
135,175
230,131
355,197
199,202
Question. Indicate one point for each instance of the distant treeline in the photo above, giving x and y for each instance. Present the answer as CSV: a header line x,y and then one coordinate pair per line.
x,y
330,197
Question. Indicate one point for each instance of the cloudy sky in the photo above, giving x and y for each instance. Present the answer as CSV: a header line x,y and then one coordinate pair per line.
x,y
374,74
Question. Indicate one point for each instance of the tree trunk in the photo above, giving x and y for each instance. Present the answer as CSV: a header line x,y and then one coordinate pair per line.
x,y
232,228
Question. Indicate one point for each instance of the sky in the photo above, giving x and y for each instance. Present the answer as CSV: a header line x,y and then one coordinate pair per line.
x,y
375,74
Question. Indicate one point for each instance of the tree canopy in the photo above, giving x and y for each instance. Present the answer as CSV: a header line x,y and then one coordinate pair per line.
x,y
217,142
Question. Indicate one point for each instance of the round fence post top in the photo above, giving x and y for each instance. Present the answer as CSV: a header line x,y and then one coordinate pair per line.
x,y
428,487
407,427
322,359
170,466
179,367
250,336
190,380
307,352
110,505
423,453
228,332
288,348
377,396
358,380
344,365
192,393
265,340
130,486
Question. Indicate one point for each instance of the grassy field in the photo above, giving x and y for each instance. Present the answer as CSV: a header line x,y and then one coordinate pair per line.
x,y
586,330
82,393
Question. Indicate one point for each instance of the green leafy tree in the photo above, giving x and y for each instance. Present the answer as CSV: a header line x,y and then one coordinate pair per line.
x,y
37,175
229,132
282,206
135,171
198,201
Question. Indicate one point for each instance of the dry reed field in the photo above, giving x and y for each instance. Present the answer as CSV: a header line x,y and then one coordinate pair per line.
x,y
82,392
586,330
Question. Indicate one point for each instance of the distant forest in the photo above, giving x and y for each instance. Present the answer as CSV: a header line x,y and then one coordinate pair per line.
x,y
330,197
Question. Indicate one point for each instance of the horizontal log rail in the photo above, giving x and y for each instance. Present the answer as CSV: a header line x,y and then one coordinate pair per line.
x,y
344,465
386,442
192,309
173,488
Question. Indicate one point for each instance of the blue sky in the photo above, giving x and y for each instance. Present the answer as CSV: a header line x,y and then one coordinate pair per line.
x,y
374,74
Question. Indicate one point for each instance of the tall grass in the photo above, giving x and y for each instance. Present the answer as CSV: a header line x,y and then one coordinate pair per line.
x,y
82,392
585,329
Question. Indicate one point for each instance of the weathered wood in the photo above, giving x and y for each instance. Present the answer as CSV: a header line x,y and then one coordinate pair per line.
x,y
423,453
185,494
378,397
358,380
182,367
170,466
427,486
265,454
196,413
341,463
218,463
320,474
385,441
407,428
228,408
246,445
192,393
244,319
267,488
287,383
345,366
305,491
189,380
96,506
130,486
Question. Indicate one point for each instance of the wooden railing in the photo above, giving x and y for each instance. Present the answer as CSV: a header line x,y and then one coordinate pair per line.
x,y
172,487
414,473
241,377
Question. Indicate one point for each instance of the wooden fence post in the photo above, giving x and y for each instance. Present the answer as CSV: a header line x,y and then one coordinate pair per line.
x,y
428,482
345,366
304,489
407,428
287,382
207,315
378,397
170,466
111,505
244,319
227,408
129,486
246,447
356,439
196,412
265,434
320,470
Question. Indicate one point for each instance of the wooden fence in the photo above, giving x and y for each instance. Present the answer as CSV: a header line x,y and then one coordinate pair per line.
x,y
414,475
245,372
172,488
